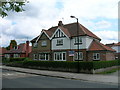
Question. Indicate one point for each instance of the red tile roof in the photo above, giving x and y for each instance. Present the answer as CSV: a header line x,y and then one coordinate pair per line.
x,y
113,44
21,49
2,50
70,30
97,46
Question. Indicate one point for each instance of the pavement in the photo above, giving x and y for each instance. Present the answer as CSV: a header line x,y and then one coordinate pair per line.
x,y
78,76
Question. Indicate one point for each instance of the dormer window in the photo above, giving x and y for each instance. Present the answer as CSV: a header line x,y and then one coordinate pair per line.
x,y
44,43
78,40
59,42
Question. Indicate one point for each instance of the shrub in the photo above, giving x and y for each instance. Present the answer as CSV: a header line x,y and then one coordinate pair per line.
x,y
17,59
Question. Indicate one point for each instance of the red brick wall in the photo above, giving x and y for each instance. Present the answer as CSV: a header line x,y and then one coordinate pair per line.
x,y
104,56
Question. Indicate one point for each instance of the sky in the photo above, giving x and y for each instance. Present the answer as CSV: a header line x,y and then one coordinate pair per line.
x,y
99,16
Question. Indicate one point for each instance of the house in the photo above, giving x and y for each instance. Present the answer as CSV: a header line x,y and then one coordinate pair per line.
x,y
21,50
2,51
61,44
116,47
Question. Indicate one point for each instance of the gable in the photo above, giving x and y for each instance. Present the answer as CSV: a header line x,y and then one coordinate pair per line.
x,y
59,34
43,36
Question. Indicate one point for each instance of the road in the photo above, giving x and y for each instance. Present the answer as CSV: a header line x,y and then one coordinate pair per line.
x,y
12,79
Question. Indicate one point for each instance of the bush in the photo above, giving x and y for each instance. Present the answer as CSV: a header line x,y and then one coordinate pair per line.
x,y
104,64
17,59
64,65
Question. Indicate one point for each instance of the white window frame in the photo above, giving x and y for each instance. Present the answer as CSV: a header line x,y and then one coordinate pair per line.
x,y
76,40
44,43
60,56
35,56
45,55
7,55
59,42
80,56
95,55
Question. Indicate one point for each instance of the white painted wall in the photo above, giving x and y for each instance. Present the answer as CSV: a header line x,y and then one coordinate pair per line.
x,y
66,44
69,44
117,48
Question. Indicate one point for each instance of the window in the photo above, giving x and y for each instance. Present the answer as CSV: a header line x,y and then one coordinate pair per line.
x,y
44,43
35,56
78,39
60,56
16,55
7,55
80,56
59,42
35,44
96,56
44,56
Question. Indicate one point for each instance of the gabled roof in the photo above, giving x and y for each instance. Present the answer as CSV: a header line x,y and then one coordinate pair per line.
x,y
97,46
21,49
71,31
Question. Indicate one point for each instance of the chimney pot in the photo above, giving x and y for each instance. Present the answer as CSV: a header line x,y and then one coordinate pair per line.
x,y
60,23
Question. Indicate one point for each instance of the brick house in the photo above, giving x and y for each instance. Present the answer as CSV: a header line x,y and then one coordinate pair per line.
x,y
22,50
2,51
116,47
61,42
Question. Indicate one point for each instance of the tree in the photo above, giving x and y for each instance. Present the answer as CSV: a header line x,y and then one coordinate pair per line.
x,y
13,43
11,5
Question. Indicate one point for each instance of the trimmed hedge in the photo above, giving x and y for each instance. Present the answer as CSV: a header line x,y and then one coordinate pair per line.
x,y
63,65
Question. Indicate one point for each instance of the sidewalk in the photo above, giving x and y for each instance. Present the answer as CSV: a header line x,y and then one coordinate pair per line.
x,y
79,76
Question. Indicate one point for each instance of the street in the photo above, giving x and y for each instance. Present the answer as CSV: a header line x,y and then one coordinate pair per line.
x,y
12,79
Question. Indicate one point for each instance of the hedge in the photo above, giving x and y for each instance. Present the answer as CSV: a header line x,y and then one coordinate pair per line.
x,y
63,65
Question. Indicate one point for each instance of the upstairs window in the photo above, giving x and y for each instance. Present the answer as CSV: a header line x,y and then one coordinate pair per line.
x,y
35,44
78,40
96,56
44,43
59,42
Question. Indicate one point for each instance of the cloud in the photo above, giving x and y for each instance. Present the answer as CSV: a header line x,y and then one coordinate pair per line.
x,y
43,14
108,36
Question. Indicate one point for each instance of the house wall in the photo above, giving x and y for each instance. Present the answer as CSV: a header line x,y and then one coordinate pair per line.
x,y
110,56
104,55
40,48
70,43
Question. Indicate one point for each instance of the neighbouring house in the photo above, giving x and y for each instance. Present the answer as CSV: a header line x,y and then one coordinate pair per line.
x,y
21,50
116,47
2,51
60,43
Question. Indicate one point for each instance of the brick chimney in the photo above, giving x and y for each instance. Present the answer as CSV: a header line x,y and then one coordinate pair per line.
x,y
27,48
60,23
11,46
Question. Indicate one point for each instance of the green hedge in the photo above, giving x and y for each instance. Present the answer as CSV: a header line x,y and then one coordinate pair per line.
x,y
62,65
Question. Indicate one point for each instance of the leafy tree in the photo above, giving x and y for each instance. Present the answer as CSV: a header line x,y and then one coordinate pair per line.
x,y
13,43
11,5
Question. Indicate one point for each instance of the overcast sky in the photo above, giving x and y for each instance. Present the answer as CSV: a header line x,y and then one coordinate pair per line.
x,y
99,16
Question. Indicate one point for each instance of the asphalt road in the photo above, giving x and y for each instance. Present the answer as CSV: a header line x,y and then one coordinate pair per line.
x,y
12,79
